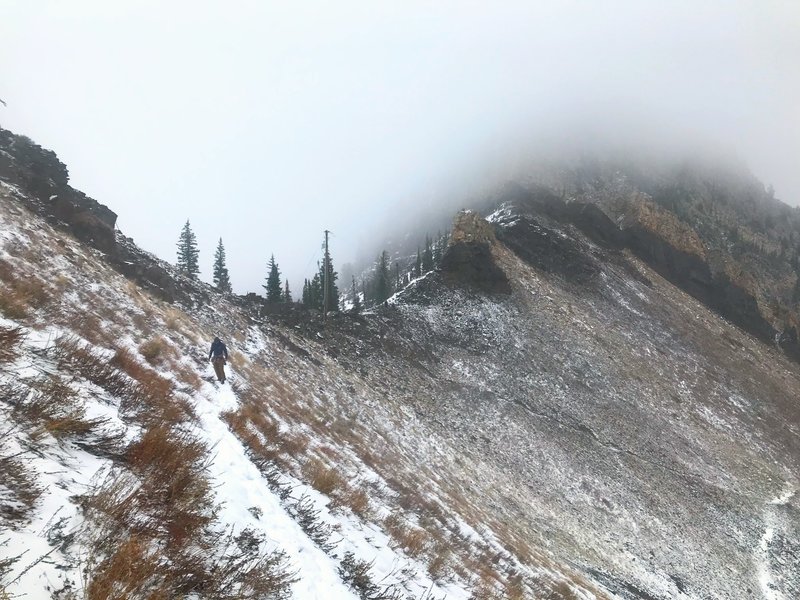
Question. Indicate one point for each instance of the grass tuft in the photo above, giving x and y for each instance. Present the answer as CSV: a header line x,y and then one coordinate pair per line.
x,y
10,338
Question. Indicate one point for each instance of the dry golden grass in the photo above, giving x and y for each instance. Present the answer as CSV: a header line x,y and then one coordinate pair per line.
x,y
12,305
20,482
173,319
293,445
90,327
21,295
156,350
10,338
262,448
413,540
439,557
358,501
74,357
515,588
323,478
6,271
51,406
561,590
186,375
153,398
155,540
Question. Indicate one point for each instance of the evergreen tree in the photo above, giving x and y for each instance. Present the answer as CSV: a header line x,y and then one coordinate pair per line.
x,y
438,248
427,256
333,291
382,278
356,299
222,280
287,294
418,265
273,287
188,253
315,291
306,293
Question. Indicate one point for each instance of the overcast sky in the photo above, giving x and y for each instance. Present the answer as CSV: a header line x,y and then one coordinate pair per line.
x,y
267,122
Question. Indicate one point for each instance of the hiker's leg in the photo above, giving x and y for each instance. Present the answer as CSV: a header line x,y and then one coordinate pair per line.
x,y
218,369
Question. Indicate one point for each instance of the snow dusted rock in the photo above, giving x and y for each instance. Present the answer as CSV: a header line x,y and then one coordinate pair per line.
x,y
468,258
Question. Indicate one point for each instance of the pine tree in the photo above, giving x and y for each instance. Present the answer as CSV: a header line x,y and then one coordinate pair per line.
x,y
356,298
222,280
333,291
418,265
188,253
273,287
382,278
438,249
315,291
427,256
287,294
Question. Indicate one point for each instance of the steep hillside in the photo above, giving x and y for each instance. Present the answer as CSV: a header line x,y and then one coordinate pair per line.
x,y
707,226
545,416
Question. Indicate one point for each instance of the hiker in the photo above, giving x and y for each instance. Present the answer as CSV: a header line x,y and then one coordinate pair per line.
x,y
218,357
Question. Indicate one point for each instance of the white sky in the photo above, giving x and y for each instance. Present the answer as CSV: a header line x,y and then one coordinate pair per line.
x,y
267,122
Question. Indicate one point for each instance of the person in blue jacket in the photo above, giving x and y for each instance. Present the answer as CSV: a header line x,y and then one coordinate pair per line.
x,y
218,357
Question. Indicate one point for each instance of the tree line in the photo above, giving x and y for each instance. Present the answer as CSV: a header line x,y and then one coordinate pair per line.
x,y
384,279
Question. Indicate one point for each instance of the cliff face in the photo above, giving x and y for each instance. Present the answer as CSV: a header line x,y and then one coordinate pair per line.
x,y
715,245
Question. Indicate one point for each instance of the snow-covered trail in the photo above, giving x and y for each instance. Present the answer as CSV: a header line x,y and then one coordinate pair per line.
x,y
240,487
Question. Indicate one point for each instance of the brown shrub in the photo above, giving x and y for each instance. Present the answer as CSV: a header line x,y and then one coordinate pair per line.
x,y
12,306
293,445
187,375
20,482
439,560
153,399
561,590
173,319
261,451
142,323
357,500
6,271
410,538
90,327
322,478
156,350
74,357
161,512
172,465
10,338
33,292
54,407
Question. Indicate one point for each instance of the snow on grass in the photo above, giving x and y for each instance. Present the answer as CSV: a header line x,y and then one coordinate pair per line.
x,y
62,470
241,487
244,493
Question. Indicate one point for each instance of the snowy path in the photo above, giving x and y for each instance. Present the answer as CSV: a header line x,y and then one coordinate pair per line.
x,y
240,486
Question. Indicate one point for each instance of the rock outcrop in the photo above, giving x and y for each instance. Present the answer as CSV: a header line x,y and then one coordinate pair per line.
x,y
468,259
43,182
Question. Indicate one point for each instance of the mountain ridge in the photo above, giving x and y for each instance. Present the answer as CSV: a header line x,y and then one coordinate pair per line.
x,y
543,416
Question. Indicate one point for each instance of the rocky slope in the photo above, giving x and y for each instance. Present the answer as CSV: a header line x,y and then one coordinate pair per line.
x,y
554,413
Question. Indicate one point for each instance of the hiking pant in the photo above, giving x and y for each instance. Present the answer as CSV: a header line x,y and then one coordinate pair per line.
x,y
219,367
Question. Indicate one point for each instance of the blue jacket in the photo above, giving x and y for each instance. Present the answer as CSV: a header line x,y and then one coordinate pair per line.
x,y
218,349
